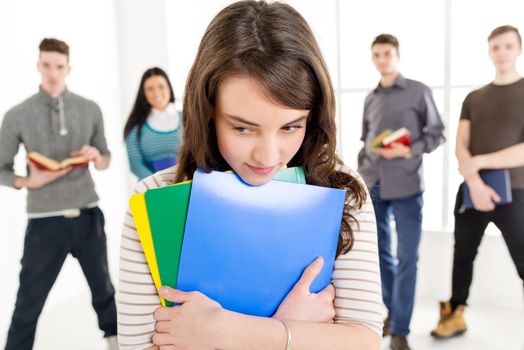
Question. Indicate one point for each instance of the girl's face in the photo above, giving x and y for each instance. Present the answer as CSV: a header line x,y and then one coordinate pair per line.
x,y
255,135
156,90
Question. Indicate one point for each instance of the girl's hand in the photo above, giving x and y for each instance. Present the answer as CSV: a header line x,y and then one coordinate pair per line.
x,y
191,325
302,305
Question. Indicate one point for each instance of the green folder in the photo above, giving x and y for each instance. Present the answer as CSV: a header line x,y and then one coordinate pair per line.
x,y
167,211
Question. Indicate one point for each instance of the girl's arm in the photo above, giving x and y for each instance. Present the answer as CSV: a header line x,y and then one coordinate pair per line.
x,y
137,296
137,163
200,323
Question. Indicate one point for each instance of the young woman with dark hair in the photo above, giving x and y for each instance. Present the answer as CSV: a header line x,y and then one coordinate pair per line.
x,y
152,132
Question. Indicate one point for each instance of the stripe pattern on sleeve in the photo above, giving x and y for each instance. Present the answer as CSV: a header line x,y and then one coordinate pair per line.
x,y
356,276
137,298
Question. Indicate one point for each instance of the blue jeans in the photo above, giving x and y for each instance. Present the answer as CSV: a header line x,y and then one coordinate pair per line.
x,y
398,274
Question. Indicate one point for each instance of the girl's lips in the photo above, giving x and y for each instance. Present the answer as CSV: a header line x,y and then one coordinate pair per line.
x,y
261,171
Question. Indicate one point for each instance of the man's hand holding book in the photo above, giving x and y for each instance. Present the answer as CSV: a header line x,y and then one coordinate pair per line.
x,y
392,144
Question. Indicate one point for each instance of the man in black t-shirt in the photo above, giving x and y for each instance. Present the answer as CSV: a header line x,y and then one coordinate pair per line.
x,y
490,136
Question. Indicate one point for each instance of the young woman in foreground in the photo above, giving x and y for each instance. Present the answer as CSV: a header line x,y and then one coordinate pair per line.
x,y
259,97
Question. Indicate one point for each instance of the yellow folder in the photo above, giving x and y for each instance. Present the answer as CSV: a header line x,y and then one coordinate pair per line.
x,y
138,207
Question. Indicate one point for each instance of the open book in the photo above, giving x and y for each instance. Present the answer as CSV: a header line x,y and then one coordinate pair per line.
x,y
47,163
388,137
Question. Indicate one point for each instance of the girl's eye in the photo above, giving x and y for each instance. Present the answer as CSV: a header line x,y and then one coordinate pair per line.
x,y
291,128
241,129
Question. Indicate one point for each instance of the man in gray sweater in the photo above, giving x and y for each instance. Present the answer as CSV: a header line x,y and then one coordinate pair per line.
x,y
62,205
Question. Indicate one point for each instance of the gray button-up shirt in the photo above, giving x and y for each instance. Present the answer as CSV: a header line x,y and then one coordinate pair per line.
x,y
408,103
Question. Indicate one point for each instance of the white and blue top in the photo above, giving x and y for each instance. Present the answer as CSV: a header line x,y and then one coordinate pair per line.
x,y
157,145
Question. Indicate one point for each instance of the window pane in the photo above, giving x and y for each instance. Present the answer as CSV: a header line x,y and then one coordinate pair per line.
x,y
351,108
455,179
419,26
433,179
471,24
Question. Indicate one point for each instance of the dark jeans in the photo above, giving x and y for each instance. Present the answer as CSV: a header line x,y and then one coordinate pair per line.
x,y
48,241
469,229
398,275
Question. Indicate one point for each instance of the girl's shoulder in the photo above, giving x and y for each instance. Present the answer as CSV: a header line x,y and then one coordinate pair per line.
x,y
159,179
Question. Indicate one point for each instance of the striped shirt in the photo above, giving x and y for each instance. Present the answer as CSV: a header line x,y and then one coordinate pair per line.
x,y
356,277
151,145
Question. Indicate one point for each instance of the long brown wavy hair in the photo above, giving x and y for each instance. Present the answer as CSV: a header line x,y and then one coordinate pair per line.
x,y
272,43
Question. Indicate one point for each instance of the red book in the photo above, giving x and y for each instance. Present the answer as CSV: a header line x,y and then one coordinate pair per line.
x,y
46,163
399,136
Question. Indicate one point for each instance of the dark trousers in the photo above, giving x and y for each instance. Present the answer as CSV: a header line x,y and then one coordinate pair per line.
x,y
48,241
469,229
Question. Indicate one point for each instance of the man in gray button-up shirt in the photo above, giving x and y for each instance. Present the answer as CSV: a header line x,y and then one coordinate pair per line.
x,y
394,177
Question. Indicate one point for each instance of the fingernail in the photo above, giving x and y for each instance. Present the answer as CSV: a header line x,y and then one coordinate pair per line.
x,y
319,260
163,290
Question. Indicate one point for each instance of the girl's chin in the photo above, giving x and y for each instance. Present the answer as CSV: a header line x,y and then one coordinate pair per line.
x,y
256,180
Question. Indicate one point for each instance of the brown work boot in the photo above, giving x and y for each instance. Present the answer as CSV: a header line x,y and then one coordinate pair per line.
x,y
399,342
451,323
385,329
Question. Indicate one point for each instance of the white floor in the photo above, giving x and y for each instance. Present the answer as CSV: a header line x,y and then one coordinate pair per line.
x,y
72,325
489,328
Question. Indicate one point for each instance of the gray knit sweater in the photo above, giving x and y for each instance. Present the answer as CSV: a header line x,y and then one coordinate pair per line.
x,y
36,124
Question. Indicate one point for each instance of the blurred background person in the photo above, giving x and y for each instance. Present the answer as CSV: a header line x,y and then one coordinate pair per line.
x,y
394,178
62,205
490,135
153,130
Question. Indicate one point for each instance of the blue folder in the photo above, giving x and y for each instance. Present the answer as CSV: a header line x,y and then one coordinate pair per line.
x,y
246,246
498,179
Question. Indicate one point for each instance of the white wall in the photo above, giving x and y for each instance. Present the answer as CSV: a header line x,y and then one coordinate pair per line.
x,y
141,27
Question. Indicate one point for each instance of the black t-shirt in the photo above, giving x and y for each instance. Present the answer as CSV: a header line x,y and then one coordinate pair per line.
x,y
496,113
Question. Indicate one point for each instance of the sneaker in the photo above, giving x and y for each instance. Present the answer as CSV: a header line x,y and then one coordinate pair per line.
x,y
385,329
451,322
399,342
112,342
